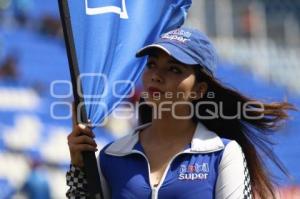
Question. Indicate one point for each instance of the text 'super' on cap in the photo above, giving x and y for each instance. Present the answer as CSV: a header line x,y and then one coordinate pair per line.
x,y
188,46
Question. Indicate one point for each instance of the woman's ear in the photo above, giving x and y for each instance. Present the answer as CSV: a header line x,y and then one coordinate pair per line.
x,y
200,90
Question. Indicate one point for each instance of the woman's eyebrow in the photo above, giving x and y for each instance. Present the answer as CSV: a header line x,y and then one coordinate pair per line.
x,y
153,55
172,61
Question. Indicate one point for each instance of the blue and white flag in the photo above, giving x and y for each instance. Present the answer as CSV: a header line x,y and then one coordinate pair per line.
x,y
107,35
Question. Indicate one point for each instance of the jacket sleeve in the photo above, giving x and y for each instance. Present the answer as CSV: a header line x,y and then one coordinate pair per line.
x,y
76,180
233,180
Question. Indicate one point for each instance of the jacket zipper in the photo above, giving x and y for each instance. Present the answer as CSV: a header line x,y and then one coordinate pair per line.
x,y
155,189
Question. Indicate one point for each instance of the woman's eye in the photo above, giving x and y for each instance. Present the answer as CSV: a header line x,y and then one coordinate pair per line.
x,y
175,70
150,65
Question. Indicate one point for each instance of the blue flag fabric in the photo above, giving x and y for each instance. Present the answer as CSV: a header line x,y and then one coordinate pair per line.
x,y
107,34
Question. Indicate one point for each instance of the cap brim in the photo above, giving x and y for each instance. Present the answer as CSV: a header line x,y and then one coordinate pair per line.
x,y
171,49
148,49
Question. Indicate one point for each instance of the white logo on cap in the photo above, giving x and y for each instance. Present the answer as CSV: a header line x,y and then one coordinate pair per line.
x,y
107,9
177,35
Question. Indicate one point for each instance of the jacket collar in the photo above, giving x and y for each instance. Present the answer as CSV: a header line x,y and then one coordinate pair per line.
x,y
204,141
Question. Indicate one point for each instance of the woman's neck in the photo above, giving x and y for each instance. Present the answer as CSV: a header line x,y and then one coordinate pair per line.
x,y
170,130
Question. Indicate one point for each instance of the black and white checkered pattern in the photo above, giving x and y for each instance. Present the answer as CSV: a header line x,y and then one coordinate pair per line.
x,y
247,184
77,183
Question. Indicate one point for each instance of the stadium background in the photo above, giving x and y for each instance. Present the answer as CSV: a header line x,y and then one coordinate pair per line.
x,y
259,46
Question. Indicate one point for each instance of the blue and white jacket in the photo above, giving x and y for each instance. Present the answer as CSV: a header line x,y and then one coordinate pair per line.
x,y
210,167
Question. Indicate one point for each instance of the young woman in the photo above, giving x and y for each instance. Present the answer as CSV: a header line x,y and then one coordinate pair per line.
x,y
197,138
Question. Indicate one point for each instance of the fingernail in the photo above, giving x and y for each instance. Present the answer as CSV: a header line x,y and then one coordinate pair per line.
x,y
82,126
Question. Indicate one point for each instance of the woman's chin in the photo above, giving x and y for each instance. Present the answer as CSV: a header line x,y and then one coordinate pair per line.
x,y
156,101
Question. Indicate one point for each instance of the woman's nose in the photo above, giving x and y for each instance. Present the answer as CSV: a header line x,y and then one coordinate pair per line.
x,y
157,77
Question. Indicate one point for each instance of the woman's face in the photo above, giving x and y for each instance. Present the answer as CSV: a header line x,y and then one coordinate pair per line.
x,y
166,79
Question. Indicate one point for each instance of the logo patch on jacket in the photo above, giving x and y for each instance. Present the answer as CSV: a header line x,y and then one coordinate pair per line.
x,y
193,172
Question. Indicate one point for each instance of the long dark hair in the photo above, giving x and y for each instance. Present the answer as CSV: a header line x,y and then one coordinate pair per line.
x,y
251,134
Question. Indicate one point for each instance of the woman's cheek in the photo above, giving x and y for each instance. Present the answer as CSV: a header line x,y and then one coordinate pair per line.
x,y
145,77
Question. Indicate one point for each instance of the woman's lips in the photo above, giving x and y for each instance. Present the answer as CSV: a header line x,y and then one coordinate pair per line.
x,y
152,90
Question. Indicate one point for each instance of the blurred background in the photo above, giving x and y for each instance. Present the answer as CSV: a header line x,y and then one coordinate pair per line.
x,y
259,46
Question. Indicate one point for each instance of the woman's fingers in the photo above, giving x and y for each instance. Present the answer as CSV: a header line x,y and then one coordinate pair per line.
x,y
79,140
83,139
82,143
82,129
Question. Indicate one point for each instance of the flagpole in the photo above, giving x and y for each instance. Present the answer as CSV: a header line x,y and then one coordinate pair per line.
x,y
89,158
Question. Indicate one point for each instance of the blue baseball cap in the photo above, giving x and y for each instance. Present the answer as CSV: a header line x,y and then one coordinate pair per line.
x,y
188,46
